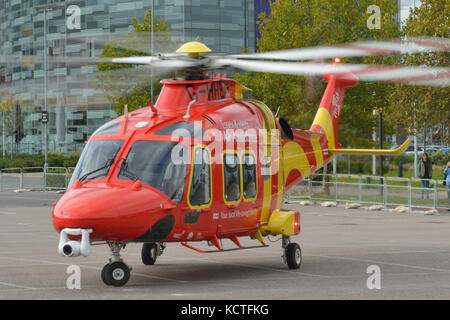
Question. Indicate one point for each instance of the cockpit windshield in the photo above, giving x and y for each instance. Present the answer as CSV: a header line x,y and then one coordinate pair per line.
x,y
96,159
160,164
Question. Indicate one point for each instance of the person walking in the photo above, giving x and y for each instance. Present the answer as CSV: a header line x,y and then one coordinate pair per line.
x,y
447,180
425,173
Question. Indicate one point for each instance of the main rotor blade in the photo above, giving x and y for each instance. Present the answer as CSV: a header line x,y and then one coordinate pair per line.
x,y
153,62
357,49
116,82
421,75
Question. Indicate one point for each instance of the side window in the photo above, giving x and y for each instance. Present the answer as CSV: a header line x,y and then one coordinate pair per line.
x,y
249,176
200,192
232,177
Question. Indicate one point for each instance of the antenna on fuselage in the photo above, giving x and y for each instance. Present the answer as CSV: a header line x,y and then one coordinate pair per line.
x,y
187,116
152,107
278,110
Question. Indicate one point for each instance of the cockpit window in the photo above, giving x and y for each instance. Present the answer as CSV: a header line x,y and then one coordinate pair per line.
x,y
181,129
160,164
96,160
108,128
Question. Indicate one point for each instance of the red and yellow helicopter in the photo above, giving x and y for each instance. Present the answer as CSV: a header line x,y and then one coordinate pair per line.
x,y
204,164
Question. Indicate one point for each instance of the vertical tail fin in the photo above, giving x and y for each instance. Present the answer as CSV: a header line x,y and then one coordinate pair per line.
x,y
327,117
308,151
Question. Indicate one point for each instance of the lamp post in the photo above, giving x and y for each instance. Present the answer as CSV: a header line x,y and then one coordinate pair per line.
x,y
380,114
45,123
153,32
381,140
45,9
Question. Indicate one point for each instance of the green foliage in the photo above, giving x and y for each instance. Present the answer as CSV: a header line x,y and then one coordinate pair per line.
x,y
403,158
418,108
358,167
439,157
37,160
297,24
436,157
57,180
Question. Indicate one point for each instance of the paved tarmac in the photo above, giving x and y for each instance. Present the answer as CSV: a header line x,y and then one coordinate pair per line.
x,y
410,252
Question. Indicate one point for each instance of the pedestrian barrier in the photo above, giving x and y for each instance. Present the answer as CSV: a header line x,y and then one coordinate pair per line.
x,y
34,178
388,191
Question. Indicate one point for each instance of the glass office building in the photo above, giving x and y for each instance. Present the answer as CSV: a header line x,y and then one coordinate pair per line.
x,y
80,28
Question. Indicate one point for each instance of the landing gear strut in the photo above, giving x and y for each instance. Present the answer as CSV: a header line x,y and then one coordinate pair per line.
x,y
292,254
116,273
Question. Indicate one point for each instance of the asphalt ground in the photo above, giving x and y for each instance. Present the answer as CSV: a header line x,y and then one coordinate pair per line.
x,y
341,249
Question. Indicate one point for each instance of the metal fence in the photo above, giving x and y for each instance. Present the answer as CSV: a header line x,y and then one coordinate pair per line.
x,y
34,178
389,191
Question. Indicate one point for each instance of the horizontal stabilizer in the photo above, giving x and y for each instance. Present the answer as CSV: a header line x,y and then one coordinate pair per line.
x,y
382,152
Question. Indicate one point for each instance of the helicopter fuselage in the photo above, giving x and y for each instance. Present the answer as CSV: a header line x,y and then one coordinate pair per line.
x,y
202,164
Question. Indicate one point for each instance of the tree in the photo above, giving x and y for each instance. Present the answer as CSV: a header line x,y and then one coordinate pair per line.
x,y
115,79
11,123
8,123
417,109
305,23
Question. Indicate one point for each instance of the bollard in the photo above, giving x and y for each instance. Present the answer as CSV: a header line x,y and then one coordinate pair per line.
x,y
21,179
360,189
409,195
310,187
435,193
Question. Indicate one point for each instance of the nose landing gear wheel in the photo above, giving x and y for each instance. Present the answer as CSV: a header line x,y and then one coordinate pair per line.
x,y
116,274
293,255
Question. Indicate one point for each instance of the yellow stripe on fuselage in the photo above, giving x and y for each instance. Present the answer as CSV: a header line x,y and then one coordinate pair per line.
x,y
268,124
318,153
295,158
323,119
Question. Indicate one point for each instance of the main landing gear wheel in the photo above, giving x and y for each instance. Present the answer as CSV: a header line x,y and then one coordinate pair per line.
x,y
116,274
293,255
149,253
